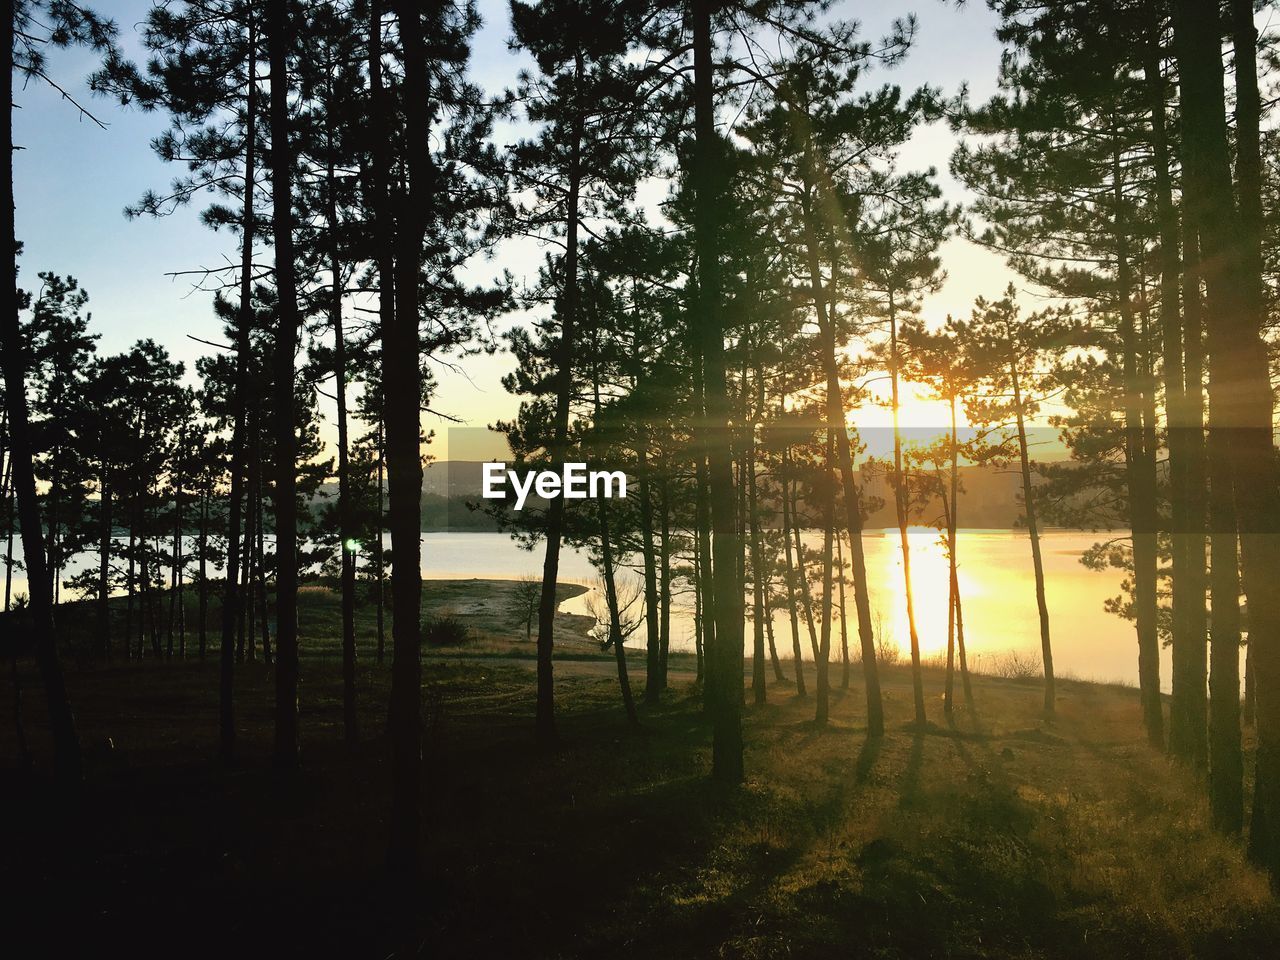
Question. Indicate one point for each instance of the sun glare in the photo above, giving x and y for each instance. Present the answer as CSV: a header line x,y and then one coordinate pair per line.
x,y
921,416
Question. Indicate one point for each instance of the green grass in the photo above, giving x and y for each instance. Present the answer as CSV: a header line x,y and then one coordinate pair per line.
x,y
994,834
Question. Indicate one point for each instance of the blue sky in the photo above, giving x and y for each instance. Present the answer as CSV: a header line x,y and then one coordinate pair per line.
x,y
73,180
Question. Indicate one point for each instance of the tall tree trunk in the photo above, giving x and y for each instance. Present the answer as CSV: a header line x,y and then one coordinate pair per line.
x,y
1033,531
844,625
1226,764
235,465
610,585
150,573
285,435
252,503
664,633
615,616
379,198
948,689
1192,660
379,557
759,567
203,561
61,719
402,385
725,662
806,595
702,510
130,585
1140,480
260,591
175,567
653,638
953,539
1231,267
346,522
568,309
900,505
828,492
699,614
252,575
792,605
104,564
759,612
1187,585
1250,689
849,485
8,506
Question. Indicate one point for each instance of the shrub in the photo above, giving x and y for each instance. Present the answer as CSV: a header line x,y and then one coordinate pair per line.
x,y
888,653
445,631
1014,665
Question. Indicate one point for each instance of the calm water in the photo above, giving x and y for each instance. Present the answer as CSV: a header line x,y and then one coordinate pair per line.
x,y
996,584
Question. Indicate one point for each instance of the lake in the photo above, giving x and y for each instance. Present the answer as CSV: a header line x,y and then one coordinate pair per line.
x,y
996,586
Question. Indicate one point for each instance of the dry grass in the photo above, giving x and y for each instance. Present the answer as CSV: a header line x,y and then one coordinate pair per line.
x,y
990,834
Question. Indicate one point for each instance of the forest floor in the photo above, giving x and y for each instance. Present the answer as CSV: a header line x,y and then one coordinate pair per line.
x,y
992,833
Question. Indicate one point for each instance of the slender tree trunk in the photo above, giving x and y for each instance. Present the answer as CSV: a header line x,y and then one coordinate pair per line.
x,y
664,642
792,605
1037,562
150,572
610,586
778,675
568,309
182,608
828,493
260,551
900,504
615,616
52,521
759,612
725,663
61,720
948,690
1140,480
346,522
384,241
699,615
104,565
1192,660
1187,588
1250,688
403,388
702,514
379,558
844,625
953,537
131,586
806,595
204,570
9,526
244,323
852,498
653,635
176,566
285,434
244,546
1231,267
1226,764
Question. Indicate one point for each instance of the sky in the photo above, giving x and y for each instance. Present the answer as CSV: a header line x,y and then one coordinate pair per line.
x,y
73,181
